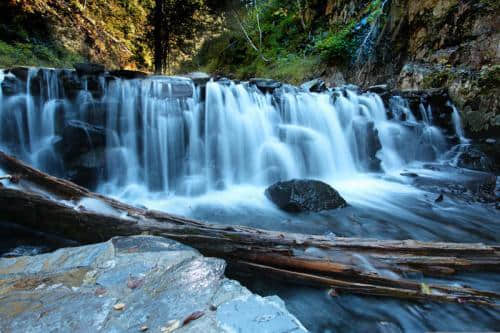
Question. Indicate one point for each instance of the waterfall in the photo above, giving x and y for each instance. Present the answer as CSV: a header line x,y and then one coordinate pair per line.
x,y
166,135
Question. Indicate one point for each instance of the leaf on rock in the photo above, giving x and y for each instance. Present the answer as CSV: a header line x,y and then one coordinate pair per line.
x,y
193,316
100,291
134,283
119,306
424,289
171,326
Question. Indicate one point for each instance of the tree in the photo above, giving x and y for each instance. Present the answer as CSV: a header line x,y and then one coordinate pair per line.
x,y
175,24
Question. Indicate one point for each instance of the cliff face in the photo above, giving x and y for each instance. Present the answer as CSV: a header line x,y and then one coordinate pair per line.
x,y
104,31
453,44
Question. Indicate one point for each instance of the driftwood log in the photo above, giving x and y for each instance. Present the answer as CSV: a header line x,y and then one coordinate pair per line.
x,y
42,202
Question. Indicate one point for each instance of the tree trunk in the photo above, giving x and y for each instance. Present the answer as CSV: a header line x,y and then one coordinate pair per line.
x,y
158,37
53,205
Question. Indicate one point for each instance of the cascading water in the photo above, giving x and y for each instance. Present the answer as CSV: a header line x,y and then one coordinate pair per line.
x,y
457,124
157,139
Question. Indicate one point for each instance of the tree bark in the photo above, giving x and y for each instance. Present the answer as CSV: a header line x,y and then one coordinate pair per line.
x,y
42,202
158,37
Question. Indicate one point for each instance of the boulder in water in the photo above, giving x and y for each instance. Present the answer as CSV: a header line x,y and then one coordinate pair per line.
x,y
266,85
83,69
82,148
20,72
199,78
300,195
474,159
316,85
80,137
128,74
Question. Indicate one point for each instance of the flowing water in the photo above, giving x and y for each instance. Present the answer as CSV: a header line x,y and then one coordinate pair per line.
x,y
209,153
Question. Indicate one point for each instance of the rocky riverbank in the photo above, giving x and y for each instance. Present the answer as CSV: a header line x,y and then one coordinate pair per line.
x,y
132,284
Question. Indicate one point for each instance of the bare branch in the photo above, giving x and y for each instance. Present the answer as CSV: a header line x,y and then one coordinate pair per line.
x,y
248,37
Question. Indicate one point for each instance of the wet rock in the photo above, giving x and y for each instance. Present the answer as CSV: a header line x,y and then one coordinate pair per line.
x,y
128,74
85,289
20,72
435,100
80,137
369,144
316,85
464,184
71,84
266,85
172,87
409,174
304,196
492,152
11,85
83,69
199,78
82,149
474,159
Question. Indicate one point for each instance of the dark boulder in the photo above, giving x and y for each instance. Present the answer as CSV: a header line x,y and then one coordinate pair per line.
x,y
472,158
11,85
316,85
409,174
128,74
89,69
83,149
266,85
71,84
436,100
304,196
80,138
20,72
368,141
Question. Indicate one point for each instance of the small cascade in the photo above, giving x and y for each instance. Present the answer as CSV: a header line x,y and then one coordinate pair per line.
x,y
166,135
457,124
367,41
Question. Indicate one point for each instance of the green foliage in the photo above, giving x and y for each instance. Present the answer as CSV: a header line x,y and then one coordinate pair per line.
x,y
296,40
437,79
29,54
337,45
489,77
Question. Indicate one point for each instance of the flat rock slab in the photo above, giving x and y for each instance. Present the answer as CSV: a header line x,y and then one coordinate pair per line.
x,y
130,283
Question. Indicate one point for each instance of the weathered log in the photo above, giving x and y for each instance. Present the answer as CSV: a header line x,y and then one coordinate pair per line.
x,y
53,205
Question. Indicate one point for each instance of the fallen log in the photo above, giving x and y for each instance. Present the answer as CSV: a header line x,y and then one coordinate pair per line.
x,y
42,202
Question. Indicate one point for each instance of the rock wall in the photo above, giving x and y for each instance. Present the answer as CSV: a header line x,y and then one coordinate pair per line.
x,y
104,31
452,44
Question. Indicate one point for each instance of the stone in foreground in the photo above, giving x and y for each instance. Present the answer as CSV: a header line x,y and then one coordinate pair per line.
x,y
130,283
304,196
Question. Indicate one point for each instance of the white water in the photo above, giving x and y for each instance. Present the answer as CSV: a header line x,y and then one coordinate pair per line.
x,y
163,146
457,123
